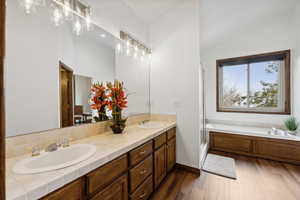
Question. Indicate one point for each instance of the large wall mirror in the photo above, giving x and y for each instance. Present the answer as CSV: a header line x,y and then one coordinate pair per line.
x,y
49,71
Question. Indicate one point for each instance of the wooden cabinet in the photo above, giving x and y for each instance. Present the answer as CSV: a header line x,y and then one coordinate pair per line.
x,y
171,154
101,177
132,175
139,173
140,153
144,191
118,190
262,147
72,191
160,167
160,140
229,142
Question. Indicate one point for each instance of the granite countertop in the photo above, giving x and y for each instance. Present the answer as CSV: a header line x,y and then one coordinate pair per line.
x,y
109,146
250,131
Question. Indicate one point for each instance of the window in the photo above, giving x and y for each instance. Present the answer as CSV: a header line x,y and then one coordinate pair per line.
x,y
254,84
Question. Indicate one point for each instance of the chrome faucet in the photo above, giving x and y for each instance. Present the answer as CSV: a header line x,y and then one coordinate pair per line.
x,y
145,121
51,147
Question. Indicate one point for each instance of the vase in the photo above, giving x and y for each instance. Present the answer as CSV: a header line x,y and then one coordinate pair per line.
x,y
117,128
292,133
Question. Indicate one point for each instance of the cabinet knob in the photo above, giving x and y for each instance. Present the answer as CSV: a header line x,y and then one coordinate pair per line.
x,y
143,172
142,152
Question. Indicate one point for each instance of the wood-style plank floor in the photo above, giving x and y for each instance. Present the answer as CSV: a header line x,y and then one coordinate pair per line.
x,y
257,179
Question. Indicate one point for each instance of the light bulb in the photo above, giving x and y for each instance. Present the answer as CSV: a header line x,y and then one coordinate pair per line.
x,y
57,17
128,51
77,27
128,43
143,52
119,48
67,9
150,56
28,4
88,23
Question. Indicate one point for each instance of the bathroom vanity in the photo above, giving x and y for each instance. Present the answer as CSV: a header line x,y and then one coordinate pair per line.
x,y
126,166
134,175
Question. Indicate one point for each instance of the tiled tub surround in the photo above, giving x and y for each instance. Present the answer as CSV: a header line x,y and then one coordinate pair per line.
x,y
109,147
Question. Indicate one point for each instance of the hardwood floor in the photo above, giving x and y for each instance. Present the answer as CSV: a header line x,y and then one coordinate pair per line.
x,y
258,179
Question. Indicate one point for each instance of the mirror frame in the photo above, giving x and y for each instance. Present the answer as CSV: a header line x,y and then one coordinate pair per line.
x,y
2,109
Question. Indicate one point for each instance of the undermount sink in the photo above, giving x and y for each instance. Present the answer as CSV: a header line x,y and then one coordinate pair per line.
x,y
48,161
151,125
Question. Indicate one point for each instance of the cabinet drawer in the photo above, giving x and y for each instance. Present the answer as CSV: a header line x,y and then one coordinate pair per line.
x,y
160,140
118,190
231,143
144,191
139,173
140,153
72,191
171,133
102,176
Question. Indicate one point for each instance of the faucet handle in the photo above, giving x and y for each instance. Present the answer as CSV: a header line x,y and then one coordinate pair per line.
x,y
35,151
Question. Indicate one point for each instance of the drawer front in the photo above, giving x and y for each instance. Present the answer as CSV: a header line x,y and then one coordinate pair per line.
x,y
276,150
144,191
102,176
118,190
140,153
231,143
139,173
160,140
72,191
171,133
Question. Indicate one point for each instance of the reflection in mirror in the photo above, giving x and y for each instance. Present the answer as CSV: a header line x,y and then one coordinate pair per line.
x,y
49,71
82,108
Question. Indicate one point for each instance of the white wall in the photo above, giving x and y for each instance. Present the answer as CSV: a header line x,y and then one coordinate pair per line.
x,y
267,31
175,75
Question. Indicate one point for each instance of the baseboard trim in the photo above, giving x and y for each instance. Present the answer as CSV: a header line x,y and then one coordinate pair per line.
x,y
189,169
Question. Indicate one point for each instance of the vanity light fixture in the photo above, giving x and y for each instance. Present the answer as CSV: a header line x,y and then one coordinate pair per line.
x,y
31,5
71,10
136,45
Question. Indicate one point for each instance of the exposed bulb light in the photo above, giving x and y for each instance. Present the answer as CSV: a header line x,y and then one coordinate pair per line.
x,y
57,16
128,43
28,4
128,51
77,27
150,56
143,53
88,23
67,9
119,48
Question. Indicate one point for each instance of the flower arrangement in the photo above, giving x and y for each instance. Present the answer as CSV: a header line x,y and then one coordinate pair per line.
x,y
110,97
117,102
99,101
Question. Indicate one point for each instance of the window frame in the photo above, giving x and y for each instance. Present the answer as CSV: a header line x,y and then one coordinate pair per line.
x,y
285,89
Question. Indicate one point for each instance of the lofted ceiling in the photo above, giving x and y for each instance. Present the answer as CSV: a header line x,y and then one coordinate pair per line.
x,y
150,10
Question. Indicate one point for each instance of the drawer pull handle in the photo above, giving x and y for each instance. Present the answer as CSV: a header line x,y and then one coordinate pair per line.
x,y
143,195
142,152
143,172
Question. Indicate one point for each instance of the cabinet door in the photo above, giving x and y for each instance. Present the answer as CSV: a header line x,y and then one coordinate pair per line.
x,y
72,191
118,190
160,165
171,154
